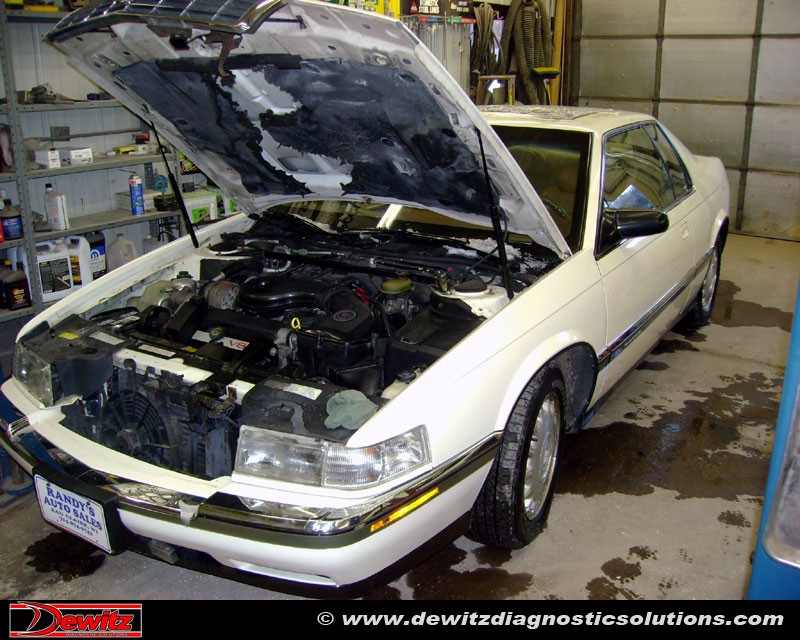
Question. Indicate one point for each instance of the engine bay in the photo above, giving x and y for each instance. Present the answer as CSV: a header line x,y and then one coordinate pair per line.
x,y
287,326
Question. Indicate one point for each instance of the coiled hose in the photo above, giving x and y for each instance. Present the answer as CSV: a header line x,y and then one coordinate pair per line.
x,y
485,56
526,38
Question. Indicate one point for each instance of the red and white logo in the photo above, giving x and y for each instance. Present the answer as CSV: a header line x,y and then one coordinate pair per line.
x,y
73,619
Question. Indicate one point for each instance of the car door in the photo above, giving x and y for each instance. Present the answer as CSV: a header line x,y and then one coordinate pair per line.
x,y
644,278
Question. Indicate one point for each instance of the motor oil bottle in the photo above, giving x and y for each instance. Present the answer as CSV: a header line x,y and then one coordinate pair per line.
x,y
11,219
120,252
80,260
17,289
55,204
97,253
6,270
54,270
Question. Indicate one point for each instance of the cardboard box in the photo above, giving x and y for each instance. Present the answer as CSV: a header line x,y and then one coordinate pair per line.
x,y
201,205
225,206
122,200
46,158
76,156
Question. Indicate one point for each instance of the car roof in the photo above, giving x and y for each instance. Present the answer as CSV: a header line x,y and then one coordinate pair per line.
x,y
578,118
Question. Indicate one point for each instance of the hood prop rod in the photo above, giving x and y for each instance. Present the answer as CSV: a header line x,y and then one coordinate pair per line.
x,y
494,211
177,191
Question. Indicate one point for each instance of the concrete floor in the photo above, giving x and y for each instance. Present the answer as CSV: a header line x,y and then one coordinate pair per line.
x,y
658,499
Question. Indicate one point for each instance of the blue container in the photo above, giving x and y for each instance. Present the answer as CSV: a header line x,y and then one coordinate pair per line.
x,y
137,195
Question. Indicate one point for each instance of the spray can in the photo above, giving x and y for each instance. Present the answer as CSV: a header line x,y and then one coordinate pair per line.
x,y
137,195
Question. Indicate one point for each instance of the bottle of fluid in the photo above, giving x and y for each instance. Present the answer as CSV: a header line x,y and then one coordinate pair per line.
x,y
97,253
137,195
120,252
11,219
5,270
17,289
55,204
55,273
80,260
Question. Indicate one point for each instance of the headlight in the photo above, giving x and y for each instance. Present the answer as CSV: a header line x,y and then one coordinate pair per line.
x,y
36,374
291,458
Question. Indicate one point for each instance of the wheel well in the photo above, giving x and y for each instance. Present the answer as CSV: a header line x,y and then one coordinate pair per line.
x,y
578,366
722,237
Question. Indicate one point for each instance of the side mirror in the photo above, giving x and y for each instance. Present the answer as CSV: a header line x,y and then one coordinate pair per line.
x,y
636,223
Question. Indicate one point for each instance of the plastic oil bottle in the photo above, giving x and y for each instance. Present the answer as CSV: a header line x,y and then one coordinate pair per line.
x,y
11,220
55,204
5,270
97,253
17,289
121,251
80,260
54,270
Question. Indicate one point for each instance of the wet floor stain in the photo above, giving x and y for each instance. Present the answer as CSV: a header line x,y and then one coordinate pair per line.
x,y
645,365
491,556
666,585
605,589
644,553
437,579
684,450
65,554
734,519
730,312
386,592
621,570
672,345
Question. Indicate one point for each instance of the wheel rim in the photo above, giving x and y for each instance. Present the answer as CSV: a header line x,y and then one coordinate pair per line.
x,y
710,283
541,464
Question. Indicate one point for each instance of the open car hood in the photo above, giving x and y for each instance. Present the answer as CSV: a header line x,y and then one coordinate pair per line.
x,y
283,100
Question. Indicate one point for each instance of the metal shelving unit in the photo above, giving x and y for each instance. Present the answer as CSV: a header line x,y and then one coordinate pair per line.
x,y
12,112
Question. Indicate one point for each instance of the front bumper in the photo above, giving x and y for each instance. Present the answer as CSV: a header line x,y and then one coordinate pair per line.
x,y
243,540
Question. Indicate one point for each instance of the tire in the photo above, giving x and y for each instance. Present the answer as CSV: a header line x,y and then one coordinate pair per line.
x,y
699,313
514,502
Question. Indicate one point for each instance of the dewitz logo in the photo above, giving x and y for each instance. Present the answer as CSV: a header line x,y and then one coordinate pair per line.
x,y
84,619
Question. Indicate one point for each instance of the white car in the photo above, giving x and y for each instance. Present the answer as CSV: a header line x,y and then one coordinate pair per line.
x,y
387,347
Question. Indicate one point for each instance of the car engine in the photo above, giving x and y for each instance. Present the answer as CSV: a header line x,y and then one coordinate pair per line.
x,y
267,332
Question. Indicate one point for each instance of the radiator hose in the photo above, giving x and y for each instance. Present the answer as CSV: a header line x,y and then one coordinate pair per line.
x,y
526,38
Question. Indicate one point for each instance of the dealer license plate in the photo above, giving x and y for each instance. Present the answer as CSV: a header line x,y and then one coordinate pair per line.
x,y
73,512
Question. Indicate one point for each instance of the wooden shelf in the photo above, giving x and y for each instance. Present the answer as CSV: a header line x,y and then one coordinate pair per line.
x,y
68,106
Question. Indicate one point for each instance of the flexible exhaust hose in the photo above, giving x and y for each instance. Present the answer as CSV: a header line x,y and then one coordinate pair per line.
x,y
526,38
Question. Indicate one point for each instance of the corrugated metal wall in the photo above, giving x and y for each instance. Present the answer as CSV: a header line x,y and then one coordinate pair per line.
x,y
724,75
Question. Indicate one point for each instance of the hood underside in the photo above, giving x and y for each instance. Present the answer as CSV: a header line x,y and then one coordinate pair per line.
x,y
290,99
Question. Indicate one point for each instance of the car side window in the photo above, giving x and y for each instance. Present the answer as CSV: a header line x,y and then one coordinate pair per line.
x,y
635,177
681,184
556,164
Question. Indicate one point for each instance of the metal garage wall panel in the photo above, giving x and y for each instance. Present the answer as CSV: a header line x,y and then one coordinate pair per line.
x,y
621,105
618,68
715,70
733,180
781,16
620,17
779,71
710,17
772,205
775,143
710,130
